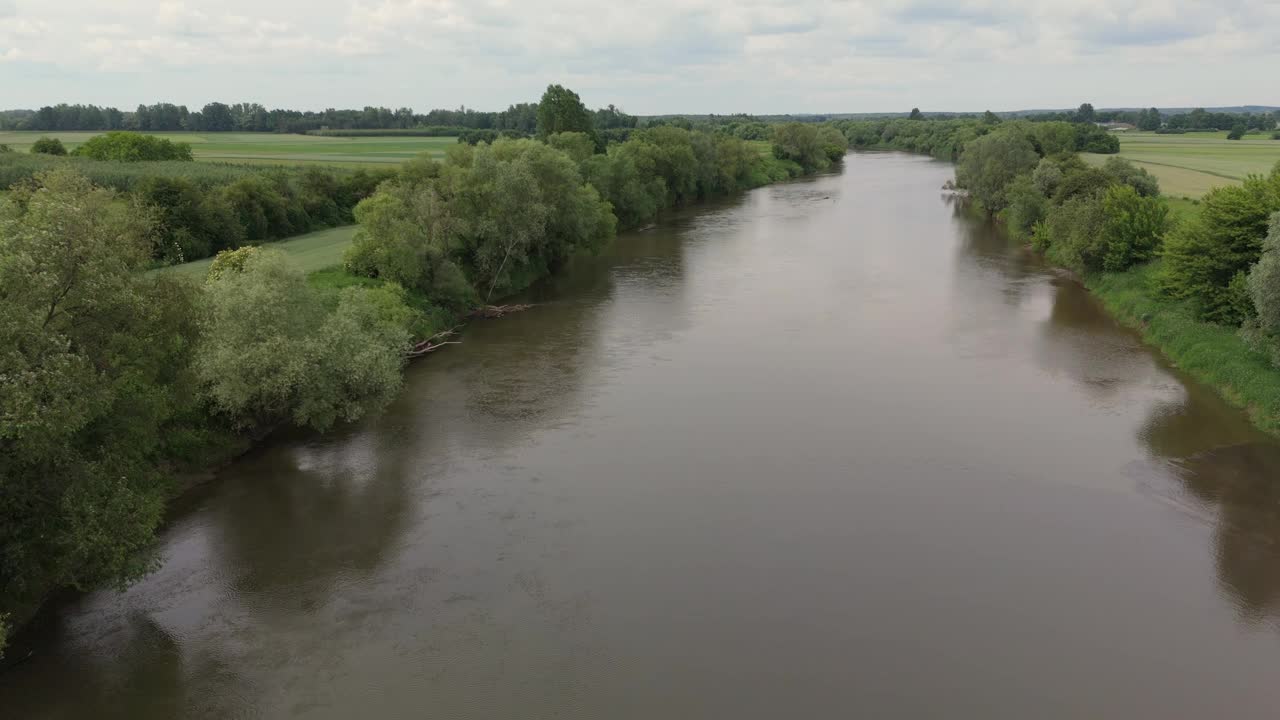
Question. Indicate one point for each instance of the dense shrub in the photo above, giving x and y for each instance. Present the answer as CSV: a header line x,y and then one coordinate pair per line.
x,y
990,163
1263,287
1133,227
430,131
1138,178
48,146
270,352
1027,206
93,376
133,147
1072,234
1204,255
802,144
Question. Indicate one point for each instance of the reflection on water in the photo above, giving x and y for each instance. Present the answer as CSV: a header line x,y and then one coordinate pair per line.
x,y
834,447
1205,457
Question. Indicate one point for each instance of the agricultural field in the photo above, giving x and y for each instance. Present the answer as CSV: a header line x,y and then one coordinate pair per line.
x,y
272,148
1191,164
310,252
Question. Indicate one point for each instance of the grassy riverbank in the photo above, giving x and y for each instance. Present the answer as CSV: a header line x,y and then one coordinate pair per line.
x,y
1213,354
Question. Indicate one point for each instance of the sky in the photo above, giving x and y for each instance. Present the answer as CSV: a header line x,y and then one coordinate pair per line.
x,y
649,57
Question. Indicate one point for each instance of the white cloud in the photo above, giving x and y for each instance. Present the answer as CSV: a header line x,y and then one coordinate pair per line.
x,y
656,56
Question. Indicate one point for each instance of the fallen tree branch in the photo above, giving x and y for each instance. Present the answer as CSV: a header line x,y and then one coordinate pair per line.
x,y
424,348
497,311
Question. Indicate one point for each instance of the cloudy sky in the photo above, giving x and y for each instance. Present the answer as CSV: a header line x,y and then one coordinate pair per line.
x,y
650,56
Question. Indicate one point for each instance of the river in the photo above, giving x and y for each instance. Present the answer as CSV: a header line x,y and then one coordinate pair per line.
x,y
829,449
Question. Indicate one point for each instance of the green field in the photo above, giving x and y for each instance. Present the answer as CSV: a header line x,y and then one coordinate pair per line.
x,y
310,252
272,148
1190,165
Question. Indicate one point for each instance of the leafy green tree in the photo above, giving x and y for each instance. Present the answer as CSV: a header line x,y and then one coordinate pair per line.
x,y
1263,287
1133,227
915,114
1072,234
133,147
1237,131
1086,113
577,145
1149,119
1138,178
1027,207
217,117
48,146
801,144
833,142
270,352
561,110
93,374
990,118
990,163
1203,255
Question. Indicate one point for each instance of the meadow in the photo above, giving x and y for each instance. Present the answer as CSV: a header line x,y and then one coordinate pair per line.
x,y
1191,164
272,148
309,253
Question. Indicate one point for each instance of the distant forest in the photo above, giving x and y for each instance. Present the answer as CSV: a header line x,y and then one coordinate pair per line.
x,y
521,119
252,117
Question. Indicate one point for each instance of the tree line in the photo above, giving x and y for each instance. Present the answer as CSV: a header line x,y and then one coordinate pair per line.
x,y
1222,263
253,117
113,378
946,139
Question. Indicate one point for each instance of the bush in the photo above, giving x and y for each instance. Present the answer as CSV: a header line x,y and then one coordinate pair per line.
x,y
1264,281
1237,131
990,163
271,353
1133,228
800,143
48,146
1204,254
1139,179
1027,207
93,378
133,147
1073,234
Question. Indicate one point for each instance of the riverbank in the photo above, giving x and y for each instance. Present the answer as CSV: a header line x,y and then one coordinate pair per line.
x,y
1215,355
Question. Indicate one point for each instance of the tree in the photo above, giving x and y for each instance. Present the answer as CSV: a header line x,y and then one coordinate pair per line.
x,y
1149,119
217,117
1138,178
990,163
833,142
48,146
1086,113
271,353
1237,131
1133,227
915,114
1204,255
94,358
1264,281
990,118
127,146
561,110
800,143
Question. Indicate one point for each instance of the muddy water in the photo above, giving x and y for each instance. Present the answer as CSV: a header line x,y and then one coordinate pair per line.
x,y
827,450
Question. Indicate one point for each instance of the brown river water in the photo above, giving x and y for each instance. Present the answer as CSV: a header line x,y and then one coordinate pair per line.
x,y
829,449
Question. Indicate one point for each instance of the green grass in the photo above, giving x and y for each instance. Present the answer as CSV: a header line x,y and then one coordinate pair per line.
x,y
310,253
1191,164
1214,355
272,148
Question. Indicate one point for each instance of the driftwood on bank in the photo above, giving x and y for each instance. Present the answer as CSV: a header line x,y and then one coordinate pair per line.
x,y
440,339
496,311
433,343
